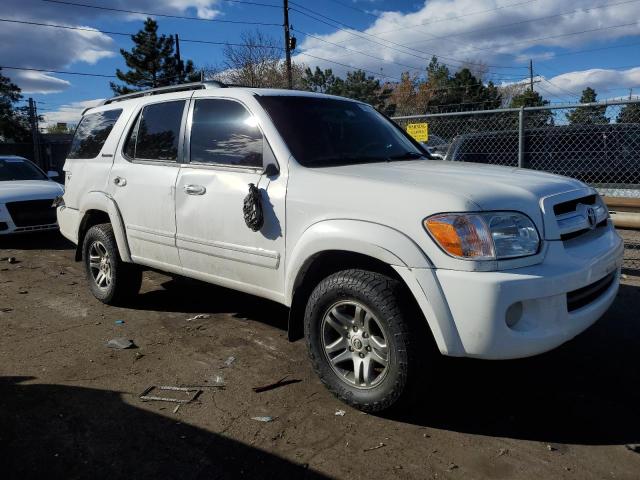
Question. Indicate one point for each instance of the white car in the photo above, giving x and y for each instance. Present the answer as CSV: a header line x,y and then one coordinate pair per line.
x,y
26,196
322,204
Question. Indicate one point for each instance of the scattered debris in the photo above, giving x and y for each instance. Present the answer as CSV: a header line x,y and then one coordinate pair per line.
x,y
280,383
634,447
23,292
340,413
229,361
452,467
175,410
119,322
6,309
138,356
263,419
380,445
503,451
201,316
120,343
12,260
551,448
194,393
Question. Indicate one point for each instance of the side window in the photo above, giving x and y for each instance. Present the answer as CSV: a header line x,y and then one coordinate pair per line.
x,y
92,133
156,133
224,132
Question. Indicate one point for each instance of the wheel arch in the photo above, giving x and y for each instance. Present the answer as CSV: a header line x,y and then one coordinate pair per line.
x,y
97,208
333,245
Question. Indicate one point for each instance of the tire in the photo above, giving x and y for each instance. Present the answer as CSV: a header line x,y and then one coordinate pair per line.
x,y
330,307
120,281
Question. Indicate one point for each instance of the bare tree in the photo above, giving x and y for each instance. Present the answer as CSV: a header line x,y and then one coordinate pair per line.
x,y
511,90
257,62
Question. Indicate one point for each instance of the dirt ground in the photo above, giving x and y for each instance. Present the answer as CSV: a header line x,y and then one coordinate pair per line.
x,y
69,405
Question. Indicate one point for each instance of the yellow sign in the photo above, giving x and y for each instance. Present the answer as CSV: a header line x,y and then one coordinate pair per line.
x,y
419,131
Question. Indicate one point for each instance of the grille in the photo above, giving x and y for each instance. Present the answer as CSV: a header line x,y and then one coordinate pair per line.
x,y
571,205
585,295
580,216
32,212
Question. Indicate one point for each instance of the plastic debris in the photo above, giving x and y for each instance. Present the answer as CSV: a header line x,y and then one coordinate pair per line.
x,y
263,419
191,391
119,322
120,343
280,383
340,413
12,260
380,445
201,316
229,361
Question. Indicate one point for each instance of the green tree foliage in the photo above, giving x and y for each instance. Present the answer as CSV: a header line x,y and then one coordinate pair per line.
x,y
588,115
531,98
152,62
14,123
322,81
630,113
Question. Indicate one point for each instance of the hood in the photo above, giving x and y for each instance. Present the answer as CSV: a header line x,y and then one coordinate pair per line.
x,y
490,187
20,190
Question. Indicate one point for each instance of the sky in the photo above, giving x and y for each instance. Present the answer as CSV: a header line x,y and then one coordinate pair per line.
x,y
573,43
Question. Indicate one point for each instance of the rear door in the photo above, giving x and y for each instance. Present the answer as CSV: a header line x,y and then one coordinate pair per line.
x,y
143,180
227,152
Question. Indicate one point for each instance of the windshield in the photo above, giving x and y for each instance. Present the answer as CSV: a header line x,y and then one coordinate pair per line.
x,y
19,169
325,131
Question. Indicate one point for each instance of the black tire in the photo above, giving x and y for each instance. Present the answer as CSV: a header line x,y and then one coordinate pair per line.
x,y
125,278
382,297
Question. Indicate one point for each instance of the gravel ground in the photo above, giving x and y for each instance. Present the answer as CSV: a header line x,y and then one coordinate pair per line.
x,y
69,406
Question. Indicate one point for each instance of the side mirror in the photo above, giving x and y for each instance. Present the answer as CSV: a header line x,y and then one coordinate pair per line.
x,y
271,170
52,174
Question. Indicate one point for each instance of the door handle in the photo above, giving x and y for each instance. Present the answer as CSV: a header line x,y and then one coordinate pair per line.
x,y
194,190
120,182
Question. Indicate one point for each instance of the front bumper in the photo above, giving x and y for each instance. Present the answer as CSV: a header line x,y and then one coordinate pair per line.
x,y
477,302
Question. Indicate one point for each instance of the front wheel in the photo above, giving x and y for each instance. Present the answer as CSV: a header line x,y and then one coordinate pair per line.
x,y
358,338
111,280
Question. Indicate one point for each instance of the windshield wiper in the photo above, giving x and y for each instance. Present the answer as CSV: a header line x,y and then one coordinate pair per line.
x,y
407,156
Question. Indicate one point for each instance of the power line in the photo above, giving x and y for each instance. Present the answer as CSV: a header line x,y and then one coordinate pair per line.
x,y
164,15
63,72
107,32
361,35
258,4
350,66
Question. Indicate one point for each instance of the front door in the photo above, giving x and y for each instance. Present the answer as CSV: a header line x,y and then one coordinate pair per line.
x,y
227,149
143,180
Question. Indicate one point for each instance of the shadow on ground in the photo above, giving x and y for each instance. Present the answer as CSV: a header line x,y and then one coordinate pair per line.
x,y
36,241
56,431
586,392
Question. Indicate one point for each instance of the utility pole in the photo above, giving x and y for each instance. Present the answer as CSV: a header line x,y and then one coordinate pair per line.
x,y
631,94
179,62
33,122
287,44
531,74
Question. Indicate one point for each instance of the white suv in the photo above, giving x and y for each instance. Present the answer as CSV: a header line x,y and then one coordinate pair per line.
x,y
377,250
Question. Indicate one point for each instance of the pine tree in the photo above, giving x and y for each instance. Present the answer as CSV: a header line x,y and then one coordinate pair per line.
x,y
588,115
531,98
14,124
152,62
630,113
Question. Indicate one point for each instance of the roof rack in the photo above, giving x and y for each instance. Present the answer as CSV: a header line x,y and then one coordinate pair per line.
x,y
171,88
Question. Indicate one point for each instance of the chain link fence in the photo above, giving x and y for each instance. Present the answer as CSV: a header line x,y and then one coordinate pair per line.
x,y
598,143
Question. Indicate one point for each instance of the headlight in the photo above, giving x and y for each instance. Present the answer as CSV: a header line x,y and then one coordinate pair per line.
x,y
484,236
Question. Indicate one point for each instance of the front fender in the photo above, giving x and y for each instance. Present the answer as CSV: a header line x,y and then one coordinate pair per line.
x,y
104,202
367,238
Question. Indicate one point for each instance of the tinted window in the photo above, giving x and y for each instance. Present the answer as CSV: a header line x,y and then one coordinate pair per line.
x,y
224,132
91,133
19,169
323,131
157,132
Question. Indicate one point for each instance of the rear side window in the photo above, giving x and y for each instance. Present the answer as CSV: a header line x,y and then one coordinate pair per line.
x,y
156,133
223,132
92,132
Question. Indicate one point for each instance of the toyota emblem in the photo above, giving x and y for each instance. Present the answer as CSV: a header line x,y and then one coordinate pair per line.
x,y
591,217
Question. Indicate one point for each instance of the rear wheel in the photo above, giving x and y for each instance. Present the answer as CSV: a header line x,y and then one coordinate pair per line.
x,y
358,338
111,280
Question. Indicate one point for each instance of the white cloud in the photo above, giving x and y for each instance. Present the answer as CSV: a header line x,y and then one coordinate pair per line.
x,y
499,37
31,46
70,113
599,79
